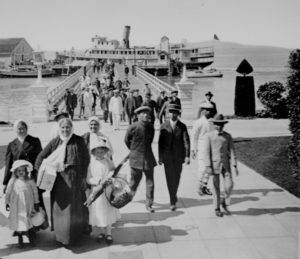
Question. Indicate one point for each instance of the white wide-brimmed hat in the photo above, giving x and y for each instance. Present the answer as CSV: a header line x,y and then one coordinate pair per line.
x,y
21,162
100,143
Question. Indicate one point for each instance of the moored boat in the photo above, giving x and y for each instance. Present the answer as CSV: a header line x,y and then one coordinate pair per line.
x,y
25,72
202,73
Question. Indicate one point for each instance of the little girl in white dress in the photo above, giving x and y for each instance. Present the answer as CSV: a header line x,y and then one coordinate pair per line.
x,y
101,213
22,200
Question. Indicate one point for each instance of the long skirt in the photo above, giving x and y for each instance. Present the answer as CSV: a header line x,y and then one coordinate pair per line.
x,y
67,209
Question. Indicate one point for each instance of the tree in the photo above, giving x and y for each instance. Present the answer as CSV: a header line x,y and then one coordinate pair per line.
x,y
293,104
273,97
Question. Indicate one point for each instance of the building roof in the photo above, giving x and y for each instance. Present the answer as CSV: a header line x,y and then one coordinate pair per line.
x,y
9,44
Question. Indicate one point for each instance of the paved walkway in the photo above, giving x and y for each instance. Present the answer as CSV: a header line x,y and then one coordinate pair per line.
x,y
265,219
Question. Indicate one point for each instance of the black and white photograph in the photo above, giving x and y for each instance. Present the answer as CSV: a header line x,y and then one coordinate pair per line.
x,y
150,129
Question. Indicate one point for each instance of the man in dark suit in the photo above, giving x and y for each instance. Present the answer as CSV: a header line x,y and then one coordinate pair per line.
x,y
138,139
151,104
130,106
159,104
173,150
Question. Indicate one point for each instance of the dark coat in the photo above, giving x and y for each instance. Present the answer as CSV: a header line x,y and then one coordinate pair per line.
x,y
29,151
176,101
138,139
139,100
130,105
152,104
76,153
160,102
173,144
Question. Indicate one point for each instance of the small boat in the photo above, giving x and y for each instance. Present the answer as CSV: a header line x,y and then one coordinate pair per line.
x,y
25,72
200,73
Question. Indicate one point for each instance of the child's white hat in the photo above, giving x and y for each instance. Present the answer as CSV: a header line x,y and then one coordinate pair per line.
x,y
99,143
21,162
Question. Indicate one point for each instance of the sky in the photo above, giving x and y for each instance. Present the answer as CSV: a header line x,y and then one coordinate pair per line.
x,y
63,24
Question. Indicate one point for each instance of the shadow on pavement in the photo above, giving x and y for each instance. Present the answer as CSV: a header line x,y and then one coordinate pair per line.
x,y
264,192
260,211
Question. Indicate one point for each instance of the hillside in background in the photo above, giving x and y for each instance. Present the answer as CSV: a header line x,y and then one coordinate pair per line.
x,y
228,55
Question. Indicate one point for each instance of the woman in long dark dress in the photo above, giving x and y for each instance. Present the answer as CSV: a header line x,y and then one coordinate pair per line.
x,y
69,155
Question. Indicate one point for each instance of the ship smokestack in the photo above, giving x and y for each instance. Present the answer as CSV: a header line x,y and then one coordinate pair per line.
x,y
126,37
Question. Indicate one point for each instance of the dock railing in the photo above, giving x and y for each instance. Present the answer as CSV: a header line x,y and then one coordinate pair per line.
x,y
56,95
155,83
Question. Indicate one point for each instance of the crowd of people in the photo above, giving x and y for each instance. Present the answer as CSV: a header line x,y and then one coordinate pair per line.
x,y
81,163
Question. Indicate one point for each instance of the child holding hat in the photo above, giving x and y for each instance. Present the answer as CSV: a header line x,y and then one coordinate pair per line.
x,y
22,201
101,213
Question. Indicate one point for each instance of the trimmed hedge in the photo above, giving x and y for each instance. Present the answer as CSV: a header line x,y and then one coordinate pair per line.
x,y
272,96
293,103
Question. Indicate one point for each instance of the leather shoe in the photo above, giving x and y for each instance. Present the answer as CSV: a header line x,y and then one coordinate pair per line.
x,y
218,213
225,209
203,190
173,207
150,209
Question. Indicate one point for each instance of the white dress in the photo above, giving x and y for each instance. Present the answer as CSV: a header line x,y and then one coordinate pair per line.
x,y
101,212
21,196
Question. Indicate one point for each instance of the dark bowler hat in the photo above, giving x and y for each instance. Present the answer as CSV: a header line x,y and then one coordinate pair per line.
x,y
162,92
174,107
209,93
174,92
219,119
61,115
142,108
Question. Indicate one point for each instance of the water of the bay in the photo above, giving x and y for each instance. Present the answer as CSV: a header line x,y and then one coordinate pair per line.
x,y
15,97
223,88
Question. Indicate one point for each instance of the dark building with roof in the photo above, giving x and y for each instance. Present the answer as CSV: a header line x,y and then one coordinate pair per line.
x,y
14,51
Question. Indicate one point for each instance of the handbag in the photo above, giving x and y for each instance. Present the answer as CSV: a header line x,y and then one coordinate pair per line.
x,y
46,176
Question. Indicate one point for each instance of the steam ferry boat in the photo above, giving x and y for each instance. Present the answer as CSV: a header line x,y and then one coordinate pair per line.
x,y
164,57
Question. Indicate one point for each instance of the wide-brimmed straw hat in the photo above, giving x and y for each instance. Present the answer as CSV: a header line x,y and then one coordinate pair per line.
x,y
219,119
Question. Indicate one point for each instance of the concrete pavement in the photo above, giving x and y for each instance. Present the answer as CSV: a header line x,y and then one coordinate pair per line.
x,y
265,220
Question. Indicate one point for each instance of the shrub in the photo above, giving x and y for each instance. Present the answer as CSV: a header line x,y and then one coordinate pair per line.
x,y
273,97
293,104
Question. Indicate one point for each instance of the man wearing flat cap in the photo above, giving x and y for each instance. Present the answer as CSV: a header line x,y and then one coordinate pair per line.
x,y
151,104
173,150
174,99
161,99
200,127
219,157
138,139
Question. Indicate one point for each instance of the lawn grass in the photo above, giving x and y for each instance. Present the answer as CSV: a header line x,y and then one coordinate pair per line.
x,y
269,157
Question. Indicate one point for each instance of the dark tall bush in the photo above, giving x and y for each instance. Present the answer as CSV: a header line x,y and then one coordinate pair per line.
x,y
273,97
293,103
